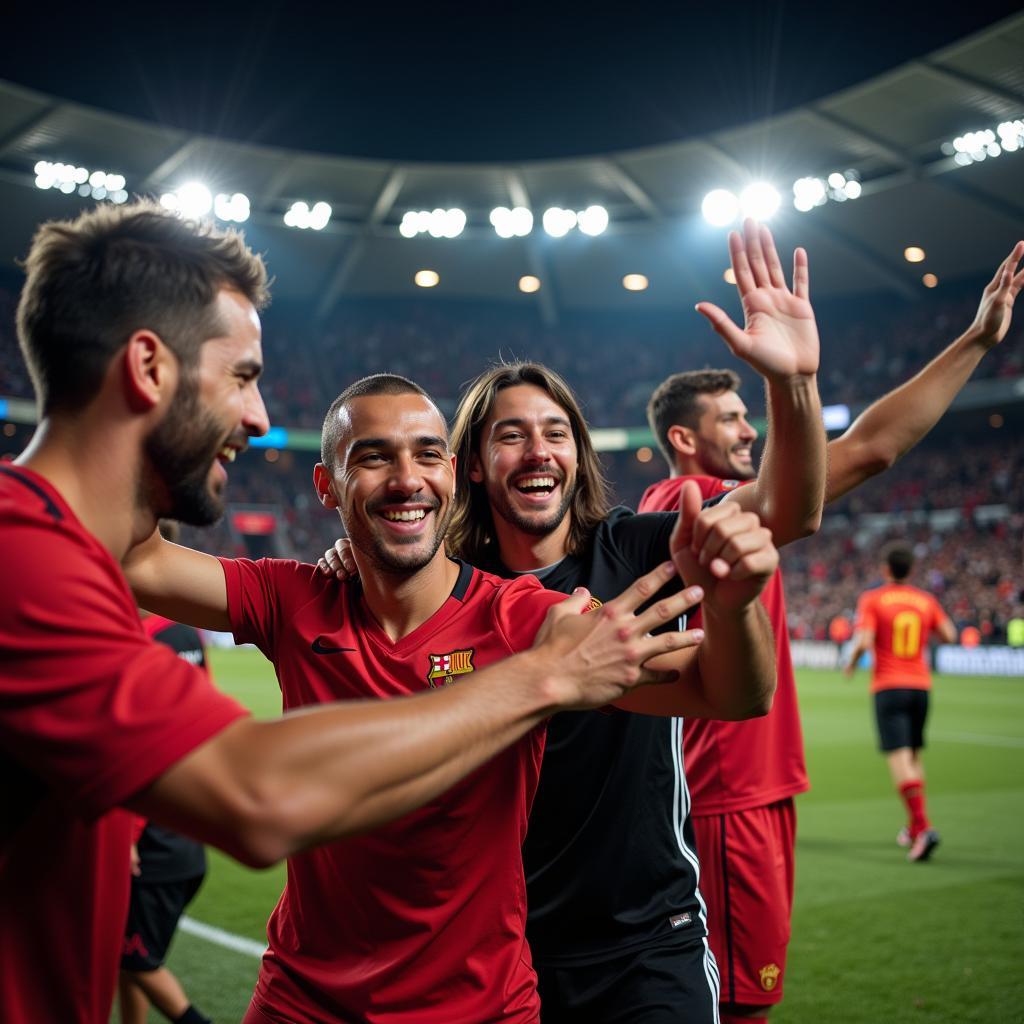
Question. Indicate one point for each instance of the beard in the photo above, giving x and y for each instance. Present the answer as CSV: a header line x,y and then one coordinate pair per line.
x,y
180,451
395,557
534,525
715,462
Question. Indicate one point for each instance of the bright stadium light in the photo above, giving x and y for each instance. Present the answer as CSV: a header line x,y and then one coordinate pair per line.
x,y
299,215
558,222
437,223
529,284
233,207
427,278
69,178
720,207
514,223
635,283
522,221
593,220
194,200
914,254
454,222
760,201
320,216
973,147
408,229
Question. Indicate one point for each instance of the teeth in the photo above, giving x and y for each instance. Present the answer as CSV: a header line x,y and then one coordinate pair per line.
x,y
406,517
229,453
537,481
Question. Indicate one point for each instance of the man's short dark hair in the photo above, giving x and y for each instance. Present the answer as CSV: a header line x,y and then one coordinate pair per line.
x,y
677,402
375,384
93,282
899,557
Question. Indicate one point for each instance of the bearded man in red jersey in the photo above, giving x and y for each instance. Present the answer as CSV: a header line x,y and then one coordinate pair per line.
x,y
743,775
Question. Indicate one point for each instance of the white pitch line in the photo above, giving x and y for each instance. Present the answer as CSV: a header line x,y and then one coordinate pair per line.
x,y
222,938
1015,742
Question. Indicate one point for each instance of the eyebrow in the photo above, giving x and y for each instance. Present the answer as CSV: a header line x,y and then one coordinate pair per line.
x,y
249,367
426,441
519,422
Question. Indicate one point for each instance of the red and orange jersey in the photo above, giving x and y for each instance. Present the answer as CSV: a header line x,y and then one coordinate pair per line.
x,y
901,618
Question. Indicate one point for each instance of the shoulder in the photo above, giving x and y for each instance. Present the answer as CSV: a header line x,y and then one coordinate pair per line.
x,y
282,574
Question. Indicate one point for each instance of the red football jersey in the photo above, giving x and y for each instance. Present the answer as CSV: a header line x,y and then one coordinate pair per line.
x,y
734,766
422,920
91,711
901,617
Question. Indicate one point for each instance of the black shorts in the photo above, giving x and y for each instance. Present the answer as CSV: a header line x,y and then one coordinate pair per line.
x,y
901,715
663,985
153,914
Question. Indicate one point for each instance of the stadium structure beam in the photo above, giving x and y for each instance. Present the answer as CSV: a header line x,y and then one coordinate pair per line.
x,y
1001,207
30,123
535,258
708,142
881,146
1015,97
631,188
170,163
889,273
382,206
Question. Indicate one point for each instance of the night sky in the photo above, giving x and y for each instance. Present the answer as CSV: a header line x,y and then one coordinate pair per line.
x,y
467,82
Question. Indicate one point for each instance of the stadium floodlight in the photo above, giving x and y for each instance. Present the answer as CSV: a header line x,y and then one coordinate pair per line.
x,y
593,220
529,284
720,207
558,222
635,283
195,200
300,215
320,216
973,147
454,222
408,229
913,254
69,178
427,278
852,189
437,223
808,193
514,223
233,207
760,201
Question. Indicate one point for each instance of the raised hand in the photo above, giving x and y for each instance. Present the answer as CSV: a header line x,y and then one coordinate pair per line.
x,y
779,336
338,561
995,310
723,549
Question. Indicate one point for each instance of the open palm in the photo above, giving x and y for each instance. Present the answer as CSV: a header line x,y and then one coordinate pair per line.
x,y
780,336
996,308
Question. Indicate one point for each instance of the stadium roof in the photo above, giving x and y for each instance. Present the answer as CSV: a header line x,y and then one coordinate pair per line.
x,y
889,130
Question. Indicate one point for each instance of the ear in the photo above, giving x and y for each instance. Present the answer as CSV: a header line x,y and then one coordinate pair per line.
x,y
150,371
476,469
324,484
682,439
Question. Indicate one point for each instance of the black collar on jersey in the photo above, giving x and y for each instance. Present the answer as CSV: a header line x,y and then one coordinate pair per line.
x,y
48,502
461,584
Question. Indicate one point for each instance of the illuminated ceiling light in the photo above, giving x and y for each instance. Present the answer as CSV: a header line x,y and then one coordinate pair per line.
x,y
454,223
192,200
529,284
438,223
635,283
808,193
514,223
522,221
973,147
558,222
852,189
759,201
913,254
836,180
427,278
233,207
720,207
729,275
929,280
593,220
408,229
644,454
995,420
300,215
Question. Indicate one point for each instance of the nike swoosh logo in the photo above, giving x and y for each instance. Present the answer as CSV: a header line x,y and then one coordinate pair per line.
x,y
319,647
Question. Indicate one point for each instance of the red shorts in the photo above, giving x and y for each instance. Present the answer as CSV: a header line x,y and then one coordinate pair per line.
x,y
746,878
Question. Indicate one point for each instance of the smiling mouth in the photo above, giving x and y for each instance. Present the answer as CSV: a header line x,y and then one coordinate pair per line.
x,y
405,516
539,485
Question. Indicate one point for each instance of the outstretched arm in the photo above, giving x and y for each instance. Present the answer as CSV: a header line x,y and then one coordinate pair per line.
x,y
892,426
262,790
780,340
863,641
177,582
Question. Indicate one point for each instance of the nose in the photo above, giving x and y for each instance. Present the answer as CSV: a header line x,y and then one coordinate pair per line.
x,y
747,432
536,449
405,478
254,417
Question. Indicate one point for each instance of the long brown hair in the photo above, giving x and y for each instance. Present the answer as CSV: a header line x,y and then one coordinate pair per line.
x,y
471,530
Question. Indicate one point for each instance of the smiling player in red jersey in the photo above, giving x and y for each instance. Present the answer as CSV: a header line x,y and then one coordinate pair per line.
x,y
894,621
743,775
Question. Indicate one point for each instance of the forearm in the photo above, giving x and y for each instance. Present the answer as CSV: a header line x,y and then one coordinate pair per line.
x,y
737,661
856,653
890,427
791,479
263,790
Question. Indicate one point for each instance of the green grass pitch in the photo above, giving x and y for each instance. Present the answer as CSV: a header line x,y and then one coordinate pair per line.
x,y
874,938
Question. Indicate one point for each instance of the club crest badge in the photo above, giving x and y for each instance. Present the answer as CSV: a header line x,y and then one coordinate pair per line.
x,y
769,976
445,667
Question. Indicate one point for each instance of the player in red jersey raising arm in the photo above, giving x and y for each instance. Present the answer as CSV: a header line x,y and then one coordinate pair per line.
x,y
894,622
142,336
743,775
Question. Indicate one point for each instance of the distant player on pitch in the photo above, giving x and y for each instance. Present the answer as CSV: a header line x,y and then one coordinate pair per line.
x,y
894,622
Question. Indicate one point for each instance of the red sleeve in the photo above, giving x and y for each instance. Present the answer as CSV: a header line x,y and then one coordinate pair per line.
x,y
520,608
264,595
866,618
87,702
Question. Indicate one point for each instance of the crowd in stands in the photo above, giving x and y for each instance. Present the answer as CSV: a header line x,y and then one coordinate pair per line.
x,y
972,563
